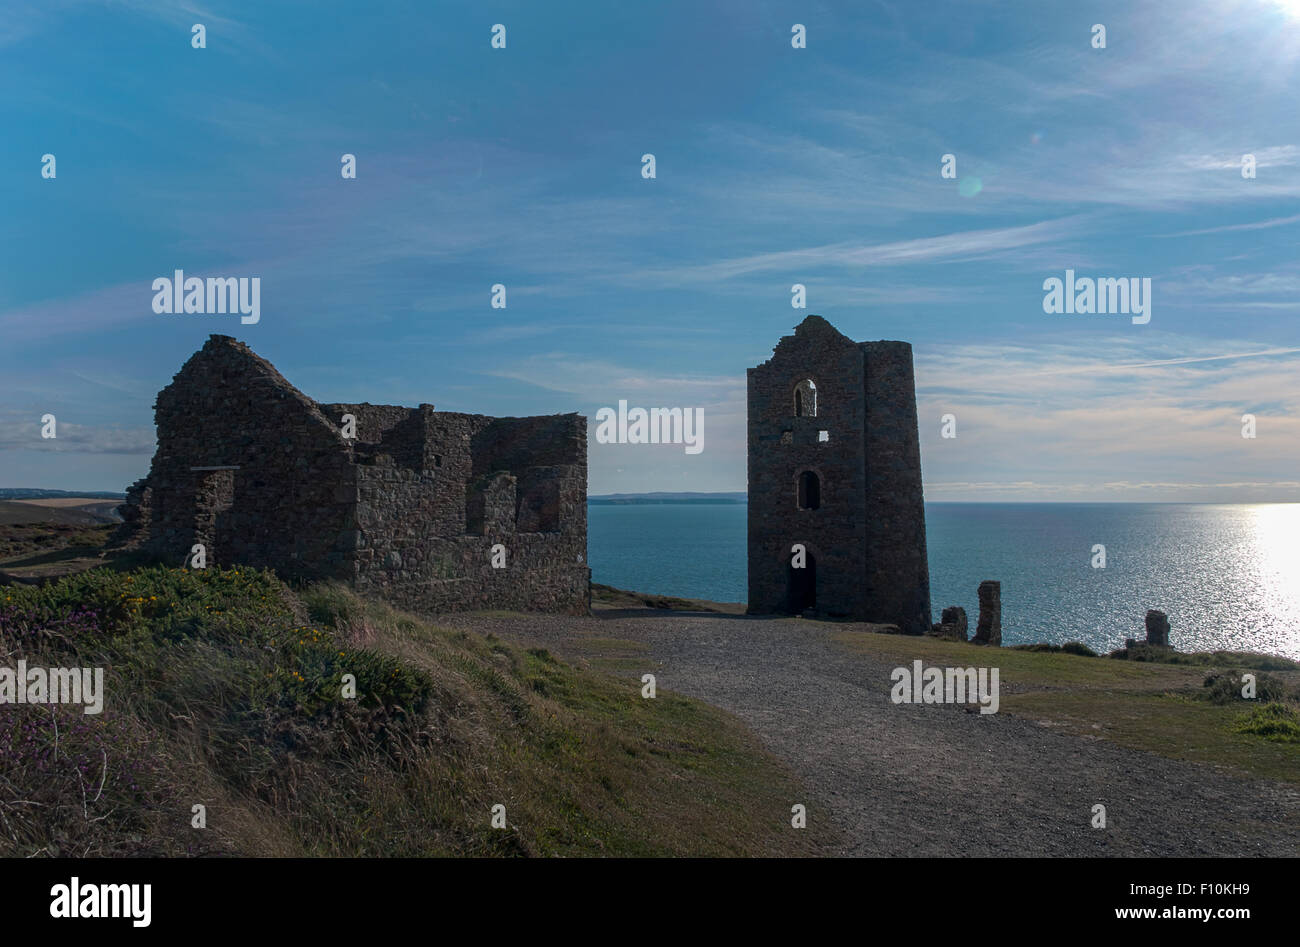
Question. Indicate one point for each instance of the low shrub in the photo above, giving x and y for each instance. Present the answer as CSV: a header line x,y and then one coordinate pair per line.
x,y
1070,647
1225,687
1273,721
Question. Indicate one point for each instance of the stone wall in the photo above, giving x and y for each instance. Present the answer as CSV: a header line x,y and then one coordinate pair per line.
x,y
409,509
866,538
287,497
491,505
782,447
989,629
1157,625
897,565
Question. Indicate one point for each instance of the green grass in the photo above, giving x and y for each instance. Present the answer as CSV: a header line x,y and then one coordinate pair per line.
x,y
1245,659
225,689
1277,722
607,595
1173,708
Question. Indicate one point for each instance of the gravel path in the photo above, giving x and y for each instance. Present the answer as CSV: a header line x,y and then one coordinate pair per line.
x,y
926,779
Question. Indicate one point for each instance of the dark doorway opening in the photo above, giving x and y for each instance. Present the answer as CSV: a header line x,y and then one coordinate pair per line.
x,y
801,586
213,505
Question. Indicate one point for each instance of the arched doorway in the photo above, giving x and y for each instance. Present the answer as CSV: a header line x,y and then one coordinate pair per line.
x,y
801,585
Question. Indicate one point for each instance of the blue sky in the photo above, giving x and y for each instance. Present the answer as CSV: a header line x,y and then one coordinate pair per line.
x,y
775,166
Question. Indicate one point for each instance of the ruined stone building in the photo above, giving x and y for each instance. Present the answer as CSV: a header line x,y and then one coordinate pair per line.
x,y
835,465
409,509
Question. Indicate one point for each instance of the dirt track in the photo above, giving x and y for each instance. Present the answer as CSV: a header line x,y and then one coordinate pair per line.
x,y
926,779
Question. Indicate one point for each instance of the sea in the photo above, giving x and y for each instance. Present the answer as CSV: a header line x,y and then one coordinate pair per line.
x,y
1227,575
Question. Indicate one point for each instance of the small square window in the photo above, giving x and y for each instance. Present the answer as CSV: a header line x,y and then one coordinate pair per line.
x,y
823,436
787,437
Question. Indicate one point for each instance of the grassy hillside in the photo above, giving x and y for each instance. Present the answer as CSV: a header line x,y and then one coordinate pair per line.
x,y
40,493
30,544
225,689
73,511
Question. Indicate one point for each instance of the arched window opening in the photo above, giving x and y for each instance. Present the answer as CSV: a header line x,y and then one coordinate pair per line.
x,y
810,491
805,399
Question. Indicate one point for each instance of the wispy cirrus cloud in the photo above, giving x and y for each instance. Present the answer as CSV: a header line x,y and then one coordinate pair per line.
x,y
1274,156
1235,228
776,166
22,431
944,248
1100,367
1158,422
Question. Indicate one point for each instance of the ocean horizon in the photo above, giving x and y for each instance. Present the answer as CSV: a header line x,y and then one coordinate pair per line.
x,y
1227,575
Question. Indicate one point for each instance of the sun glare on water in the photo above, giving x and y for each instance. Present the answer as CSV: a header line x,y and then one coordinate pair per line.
x,y
1277,549
1277,538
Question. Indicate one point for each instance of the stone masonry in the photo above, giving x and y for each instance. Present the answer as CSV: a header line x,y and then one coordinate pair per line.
x,y
952,624
989,629
408,510
835,466
1157,625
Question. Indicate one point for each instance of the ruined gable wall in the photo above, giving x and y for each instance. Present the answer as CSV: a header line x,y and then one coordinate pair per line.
x,y
288,504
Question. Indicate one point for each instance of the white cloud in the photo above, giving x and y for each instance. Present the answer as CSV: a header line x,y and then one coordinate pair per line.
x,y
1271,157
1231,228
20,430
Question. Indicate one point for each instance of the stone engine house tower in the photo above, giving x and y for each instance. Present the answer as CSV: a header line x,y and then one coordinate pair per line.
x,y
835,465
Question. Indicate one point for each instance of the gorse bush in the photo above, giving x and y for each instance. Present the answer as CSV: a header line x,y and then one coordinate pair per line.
x,y
140,621
330,604
1225,687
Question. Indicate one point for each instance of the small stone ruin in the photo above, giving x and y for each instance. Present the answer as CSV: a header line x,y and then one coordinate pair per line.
x,y
953,626
1157,623
989,629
